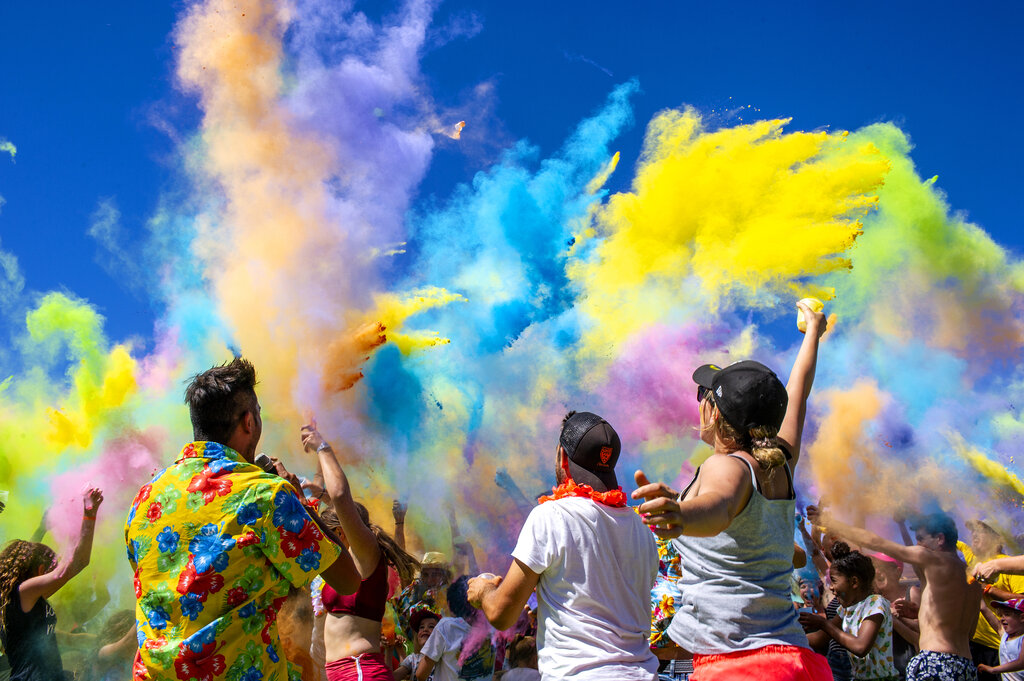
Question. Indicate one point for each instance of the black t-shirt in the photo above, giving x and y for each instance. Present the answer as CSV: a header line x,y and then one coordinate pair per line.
x,y
31,642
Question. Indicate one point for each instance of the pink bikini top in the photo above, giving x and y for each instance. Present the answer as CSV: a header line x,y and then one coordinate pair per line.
x,y
368,601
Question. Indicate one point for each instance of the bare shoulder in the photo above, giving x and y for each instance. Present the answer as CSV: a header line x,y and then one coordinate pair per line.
x,y
943,564
725,467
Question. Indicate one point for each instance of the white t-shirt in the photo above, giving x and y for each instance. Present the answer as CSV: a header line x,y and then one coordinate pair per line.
x,y
1009,651
444,647
597,566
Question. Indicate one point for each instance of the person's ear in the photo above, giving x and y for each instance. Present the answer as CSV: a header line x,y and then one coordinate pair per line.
x,y
248,422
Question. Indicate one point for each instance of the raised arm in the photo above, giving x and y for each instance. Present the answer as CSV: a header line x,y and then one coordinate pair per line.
x,y
342,574
817,556
915,555
503,480
465,557
801,378
398,511
44,586
362,543
901,525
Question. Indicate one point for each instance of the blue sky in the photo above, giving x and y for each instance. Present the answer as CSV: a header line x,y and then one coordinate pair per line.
x,y
87,96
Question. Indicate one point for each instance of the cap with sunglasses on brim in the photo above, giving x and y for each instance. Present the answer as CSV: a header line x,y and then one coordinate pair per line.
x,y
592,448
747,393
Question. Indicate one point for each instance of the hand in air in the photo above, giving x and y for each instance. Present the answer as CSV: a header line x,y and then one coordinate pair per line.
x,y
478,587
645,489
91,501
816,322
811,622
398,510
661,510
311,438
817,516
503,480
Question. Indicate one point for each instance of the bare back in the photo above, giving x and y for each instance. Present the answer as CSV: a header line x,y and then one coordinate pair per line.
x,y
949,605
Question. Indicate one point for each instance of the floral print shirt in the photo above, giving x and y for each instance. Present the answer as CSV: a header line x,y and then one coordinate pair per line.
x,y
418,596
665,592
216,544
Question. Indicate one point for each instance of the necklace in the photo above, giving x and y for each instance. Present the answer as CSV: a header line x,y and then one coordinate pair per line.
x,y
613,497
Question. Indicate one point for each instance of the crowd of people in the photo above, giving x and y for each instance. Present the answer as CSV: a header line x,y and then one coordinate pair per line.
x,y
244,572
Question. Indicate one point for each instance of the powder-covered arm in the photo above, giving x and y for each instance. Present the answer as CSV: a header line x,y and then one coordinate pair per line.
x,y
44,586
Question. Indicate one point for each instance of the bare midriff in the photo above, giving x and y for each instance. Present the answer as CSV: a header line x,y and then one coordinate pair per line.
x,y
349,636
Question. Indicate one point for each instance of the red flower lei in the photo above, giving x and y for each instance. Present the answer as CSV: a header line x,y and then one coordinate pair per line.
x,y
613,497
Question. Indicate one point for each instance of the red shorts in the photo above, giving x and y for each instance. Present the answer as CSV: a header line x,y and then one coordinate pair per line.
x,y
365,667
772,663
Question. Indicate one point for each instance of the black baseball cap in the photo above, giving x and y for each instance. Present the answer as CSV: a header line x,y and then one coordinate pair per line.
x,y
748,393
592,447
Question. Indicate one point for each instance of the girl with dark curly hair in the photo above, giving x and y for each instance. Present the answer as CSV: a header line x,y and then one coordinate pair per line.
x,y
29,574
864,623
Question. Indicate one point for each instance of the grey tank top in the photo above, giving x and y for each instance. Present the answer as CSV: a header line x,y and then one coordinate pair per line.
x,y
735,586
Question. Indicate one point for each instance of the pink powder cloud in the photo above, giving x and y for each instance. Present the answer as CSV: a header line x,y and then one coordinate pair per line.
x,y
125,464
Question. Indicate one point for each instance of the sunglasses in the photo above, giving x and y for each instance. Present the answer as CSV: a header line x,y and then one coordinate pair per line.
x,y
702,392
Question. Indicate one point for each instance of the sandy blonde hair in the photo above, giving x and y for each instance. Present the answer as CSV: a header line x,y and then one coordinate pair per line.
x,y
760,441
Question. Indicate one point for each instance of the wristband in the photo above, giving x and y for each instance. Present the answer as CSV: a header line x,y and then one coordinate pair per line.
x,y
89,517
322,447
988,587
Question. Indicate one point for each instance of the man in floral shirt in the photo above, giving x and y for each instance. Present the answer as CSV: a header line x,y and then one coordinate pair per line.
x,y
216,544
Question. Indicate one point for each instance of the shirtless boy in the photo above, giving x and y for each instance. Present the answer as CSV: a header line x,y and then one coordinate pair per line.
x,y
949,604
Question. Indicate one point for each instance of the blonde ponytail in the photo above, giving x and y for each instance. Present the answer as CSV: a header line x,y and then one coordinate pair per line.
x,y
760,441
765,448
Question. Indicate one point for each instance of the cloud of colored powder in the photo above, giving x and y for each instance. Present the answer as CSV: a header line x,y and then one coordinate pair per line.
x,y
529,291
